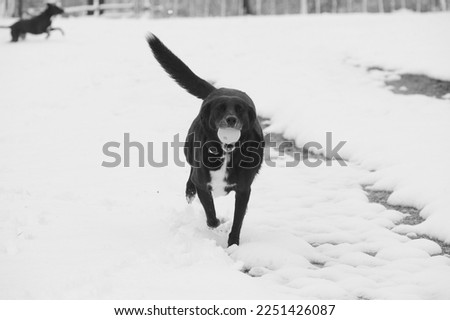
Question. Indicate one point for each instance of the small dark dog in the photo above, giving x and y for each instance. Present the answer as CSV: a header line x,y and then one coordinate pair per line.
x,y
219,163
36,25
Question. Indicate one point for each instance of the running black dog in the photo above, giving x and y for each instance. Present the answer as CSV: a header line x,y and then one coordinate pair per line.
x,y
217,167
36,25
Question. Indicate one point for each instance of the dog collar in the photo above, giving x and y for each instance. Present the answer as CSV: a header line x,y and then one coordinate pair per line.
x,y
228,148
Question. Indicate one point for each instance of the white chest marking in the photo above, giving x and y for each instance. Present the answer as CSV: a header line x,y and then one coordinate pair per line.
x,y
218,179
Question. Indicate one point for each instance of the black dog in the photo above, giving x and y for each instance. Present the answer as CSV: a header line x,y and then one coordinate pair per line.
x,y
36,25
216,166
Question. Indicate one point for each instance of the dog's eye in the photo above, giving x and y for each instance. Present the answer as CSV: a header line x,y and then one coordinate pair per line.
x,y
238,108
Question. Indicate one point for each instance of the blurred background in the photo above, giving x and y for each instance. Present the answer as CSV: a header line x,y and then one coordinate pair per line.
x,y
198,8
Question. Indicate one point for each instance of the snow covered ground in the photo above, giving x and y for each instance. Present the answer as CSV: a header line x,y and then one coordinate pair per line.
x,y
70,228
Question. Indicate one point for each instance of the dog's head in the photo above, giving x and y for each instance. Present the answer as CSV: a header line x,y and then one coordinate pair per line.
x,y
53,9
228,108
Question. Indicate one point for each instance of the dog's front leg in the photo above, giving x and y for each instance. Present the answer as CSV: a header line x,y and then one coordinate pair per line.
x,y
15,34
240,208
208,204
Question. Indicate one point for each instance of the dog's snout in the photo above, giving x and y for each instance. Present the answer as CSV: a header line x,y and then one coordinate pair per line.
x,y
231,121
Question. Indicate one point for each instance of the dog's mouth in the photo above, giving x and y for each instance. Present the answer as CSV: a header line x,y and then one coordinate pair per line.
x,y
228,136
227,128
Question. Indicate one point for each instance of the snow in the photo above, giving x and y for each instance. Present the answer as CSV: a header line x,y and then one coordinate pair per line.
x,y
73,229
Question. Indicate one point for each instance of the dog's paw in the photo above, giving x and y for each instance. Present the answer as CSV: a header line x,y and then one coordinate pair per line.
x,y
231,249
190,195
190,198
233,241
223,228
190,192
213,223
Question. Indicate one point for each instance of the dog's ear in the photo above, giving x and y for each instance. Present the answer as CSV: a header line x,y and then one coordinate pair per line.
x,y
251,116
205,113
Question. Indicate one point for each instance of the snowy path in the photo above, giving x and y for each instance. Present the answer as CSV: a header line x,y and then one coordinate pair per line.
x,y
70,228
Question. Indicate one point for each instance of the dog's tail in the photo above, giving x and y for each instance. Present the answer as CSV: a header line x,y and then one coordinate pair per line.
x,y
178,70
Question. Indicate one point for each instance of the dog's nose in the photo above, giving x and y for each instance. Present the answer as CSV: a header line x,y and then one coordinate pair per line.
x,y
231,121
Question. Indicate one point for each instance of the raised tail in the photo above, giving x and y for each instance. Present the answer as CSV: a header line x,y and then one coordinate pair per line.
x,y
177,70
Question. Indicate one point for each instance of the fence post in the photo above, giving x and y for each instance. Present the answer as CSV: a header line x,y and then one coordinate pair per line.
x,y
334,6
418,5
192,8
205,8
3,8
19,8
9,8
304,6
364,6
285,6
247,8
318,4
392,5
138,6
175,8
403,4
258,7
443,5
381,6
240,7
223,8
96,5
273,7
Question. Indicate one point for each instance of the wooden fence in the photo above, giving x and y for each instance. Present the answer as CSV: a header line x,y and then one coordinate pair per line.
x,y
195,8
7,7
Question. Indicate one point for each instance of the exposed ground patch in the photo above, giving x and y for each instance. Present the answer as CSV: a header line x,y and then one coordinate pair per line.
x,y
408,83
286,146
413,215
376,196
